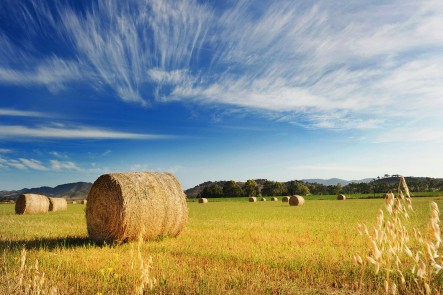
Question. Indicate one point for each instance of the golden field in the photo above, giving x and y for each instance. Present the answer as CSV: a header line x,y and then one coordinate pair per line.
x,y
226,248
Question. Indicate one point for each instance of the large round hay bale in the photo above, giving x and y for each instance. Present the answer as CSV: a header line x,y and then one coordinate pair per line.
x,y
126,206
202,200
263,199
252,199
31,204
57,204
285,199
341,197
274,199
296,200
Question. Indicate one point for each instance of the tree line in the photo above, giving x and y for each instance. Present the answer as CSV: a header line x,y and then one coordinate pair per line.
x,y
263,187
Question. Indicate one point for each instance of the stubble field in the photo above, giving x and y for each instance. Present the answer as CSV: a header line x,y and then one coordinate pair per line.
x,y
226,248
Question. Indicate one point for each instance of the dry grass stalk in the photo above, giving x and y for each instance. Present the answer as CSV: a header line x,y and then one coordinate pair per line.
x,y
202,200
29,280
146,282
31,204
296,200
120,204
395,250
341,197
285,199
274,199
57,204
252,199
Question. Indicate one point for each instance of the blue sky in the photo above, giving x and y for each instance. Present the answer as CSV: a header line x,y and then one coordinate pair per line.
x,y
219,90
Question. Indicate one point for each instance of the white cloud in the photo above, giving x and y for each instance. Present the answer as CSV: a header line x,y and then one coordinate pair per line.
x,y
33,164
53,74
106,153
21,113
24,132
59,155
410,134
64,165
15,164
22,164
324,64
6,151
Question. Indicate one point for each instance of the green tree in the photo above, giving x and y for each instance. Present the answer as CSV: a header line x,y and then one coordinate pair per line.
x,y
232,189
212,191
251,188
273,188
297,188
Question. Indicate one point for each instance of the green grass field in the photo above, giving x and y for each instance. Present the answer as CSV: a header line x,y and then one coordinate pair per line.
x,y
226,248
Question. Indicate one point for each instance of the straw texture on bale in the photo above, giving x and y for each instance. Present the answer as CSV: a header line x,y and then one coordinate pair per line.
x,y
202,200
296,200
263,199
57,204
341,197
274,199
31,204
285,199
252,199
129,206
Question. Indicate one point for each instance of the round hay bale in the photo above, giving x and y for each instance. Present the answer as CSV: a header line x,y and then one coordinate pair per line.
x,y
84,202
296,200
129,206
74,202
31,204
274,199
341,197
252,199
202,200
285,199
57,204
263,199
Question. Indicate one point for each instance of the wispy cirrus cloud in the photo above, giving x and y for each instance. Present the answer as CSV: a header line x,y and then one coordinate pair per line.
x,y
21,113
61,132
23,164
59,155
33,164
324,65
6,151
64,165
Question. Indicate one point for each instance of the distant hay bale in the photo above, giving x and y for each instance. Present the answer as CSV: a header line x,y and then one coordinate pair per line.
x,y
263,199
202,200
126,206
74,202
84,202
31,204
57,204
341,197
285,199
296,200
274,199
252,199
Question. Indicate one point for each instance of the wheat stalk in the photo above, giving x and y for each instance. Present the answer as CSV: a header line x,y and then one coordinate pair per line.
x,y
390,246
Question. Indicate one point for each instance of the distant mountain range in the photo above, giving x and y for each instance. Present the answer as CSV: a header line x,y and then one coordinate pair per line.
x,y
333,181
74,191
80,190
